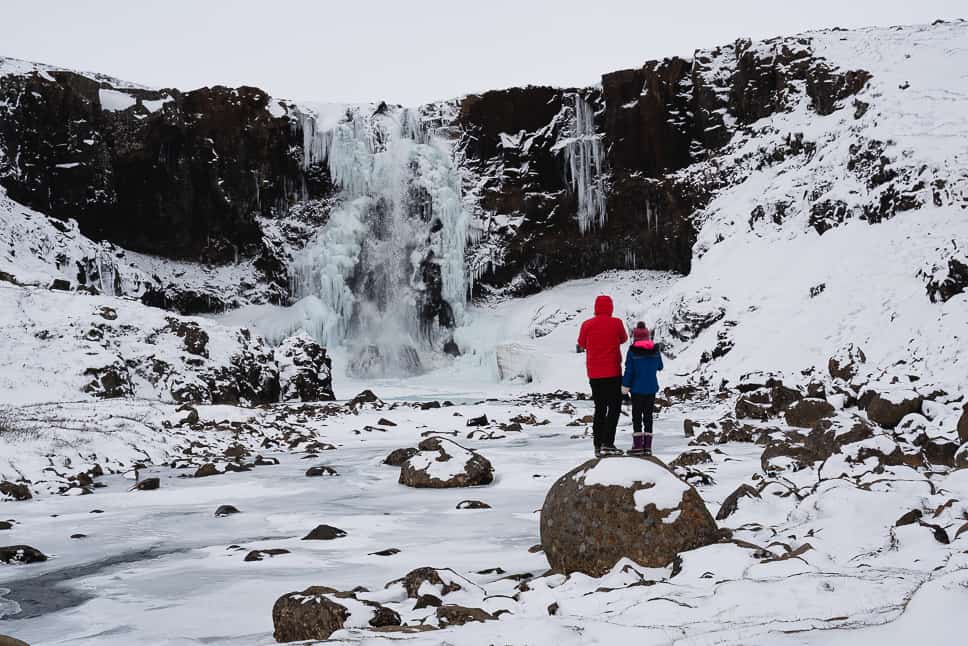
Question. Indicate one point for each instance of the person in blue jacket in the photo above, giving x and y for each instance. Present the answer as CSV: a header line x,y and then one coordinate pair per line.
x,y
642,362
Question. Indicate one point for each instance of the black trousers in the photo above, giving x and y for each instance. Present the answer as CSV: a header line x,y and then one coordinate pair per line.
x,y
643,407
607,395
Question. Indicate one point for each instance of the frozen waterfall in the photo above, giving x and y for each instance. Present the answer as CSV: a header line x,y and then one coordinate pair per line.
x,y
391,255
584,156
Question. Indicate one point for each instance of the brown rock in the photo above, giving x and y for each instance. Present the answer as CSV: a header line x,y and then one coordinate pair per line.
x,y
747,408
691,458
148,484
689,427
207,470
15,490
398,456
305,615
590,527
428,601
963,425
11,641
416,578
731,503
846,364
805,413
452,615
888,413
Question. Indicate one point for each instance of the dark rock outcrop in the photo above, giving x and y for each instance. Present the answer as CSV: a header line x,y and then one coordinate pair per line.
x,y
177,174
305,370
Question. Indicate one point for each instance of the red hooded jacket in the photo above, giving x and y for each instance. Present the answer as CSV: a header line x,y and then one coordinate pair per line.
x,y
601,337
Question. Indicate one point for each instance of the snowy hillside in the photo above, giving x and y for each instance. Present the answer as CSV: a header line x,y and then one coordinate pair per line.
x,y
189,278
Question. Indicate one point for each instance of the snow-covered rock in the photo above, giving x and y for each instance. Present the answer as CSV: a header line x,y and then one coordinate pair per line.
x,y
442,463
608,509
305,370
59,346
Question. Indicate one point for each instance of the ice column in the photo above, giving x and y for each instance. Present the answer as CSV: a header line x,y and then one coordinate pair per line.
x,y
584,166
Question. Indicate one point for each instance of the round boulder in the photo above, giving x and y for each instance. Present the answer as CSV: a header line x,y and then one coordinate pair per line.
x,y
611,508
441,463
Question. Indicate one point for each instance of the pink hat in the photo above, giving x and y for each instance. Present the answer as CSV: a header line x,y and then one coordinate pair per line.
x,y
640,333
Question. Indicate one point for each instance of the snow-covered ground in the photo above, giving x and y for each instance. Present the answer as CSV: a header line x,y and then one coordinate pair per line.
x,y
157,567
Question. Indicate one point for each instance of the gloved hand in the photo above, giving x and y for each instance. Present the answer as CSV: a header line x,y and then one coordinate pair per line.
x,y
625,390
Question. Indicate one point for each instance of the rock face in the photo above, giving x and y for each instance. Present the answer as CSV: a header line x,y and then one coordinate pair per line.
x,y
612,508
442,463
177,174
305,370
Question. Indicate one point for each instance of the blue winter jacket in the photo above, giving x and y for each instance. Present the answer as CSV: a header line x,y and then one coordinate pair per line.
x,y
642,363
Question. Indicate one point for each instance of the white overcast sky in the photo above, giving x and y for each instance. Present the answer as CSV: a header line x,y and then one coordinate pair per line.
x,y
406,51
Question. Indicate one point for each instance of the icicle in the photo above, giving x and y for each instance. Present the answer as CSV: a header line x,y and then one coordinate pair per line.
x,y
584,166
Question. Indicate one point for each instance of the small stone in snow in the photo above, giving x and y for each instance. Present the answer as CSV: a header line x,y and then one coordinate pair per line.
x,y
324,533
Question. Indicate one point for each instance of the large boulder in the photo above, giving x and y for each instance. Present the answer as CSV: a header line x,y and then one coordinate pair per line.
x,y
611,508
442,463
888,408
305,370
318,611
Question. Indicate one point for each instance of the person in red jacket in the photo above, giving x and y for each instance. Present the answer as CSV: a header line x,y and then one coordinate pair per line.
x,y
601,338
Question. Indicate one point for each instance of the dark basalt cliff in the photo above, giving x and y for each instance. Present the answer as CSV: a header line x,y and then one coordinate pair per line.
x,y
655,121
189,175
181,175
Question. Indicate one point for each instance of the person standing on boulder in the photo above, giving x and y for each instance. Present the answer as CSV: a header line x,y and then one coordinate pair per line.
x,y
601,338
642,363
